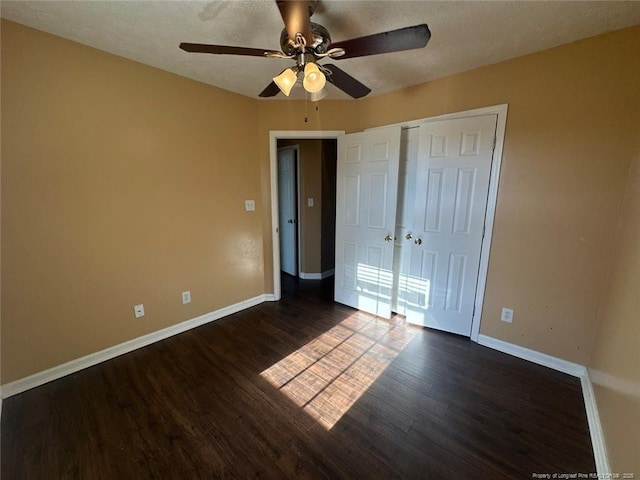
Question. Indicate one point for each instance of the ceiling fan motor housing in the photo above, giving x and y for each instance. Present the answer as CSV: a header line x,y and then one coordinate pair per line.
x,y
321,41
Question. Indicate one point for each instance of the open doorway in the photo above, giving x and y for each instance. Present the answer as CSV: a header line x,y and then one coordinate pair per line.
x,y
306,206
288,207
316,234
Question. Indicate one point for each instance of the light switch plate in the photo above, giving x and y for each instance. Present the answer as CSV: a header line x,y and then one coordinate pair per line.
x,y
249,205
310,202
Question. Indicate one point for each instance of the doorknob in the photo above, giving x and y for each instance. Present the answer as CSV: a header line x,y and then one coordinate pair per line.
x,y
388,238
418,241
291,220
408,236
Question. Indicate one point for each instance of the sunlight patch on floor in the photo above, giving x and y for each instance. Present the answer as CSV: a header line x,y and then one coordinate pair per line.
x,y
329,374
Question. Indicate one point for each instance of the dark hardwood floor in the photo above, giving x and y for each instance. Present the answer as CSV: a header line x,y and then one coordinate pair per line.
x,y
301,388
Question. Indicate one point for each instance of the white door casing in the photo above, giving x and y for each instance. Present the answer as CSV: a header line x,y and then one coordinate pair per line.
x,y
366,195
274,136
287,209
452,183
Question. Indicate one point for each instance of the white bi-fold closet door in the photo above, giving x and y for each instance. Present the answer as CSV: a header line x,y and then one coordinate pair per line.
x,y
366,193
443,200
425,264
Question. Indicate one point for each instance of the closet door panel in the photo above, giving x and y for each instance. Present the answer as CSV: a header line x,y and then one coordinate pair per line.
x,y
451,189
366,193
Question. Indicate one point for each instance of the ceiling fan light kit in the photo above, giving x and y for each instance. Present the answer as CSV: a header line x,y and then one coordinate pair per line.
x,y
307,43
286,80
314,79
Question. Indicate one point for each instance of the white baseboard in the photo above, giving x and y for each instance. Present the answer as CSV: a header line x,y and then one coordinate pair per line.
x,y
72,366
533,356
310,276
595,427
577,370
328,273
317,276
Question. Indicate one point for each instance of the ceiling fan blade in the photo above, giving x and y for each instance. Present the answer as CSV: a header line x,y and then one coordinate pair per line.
x,y
271,91
406,38
227,50
295,14
346,82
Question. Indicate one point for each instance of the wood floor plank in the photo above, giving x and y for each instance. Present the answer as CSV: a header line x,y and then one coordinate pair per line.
x,y
301,388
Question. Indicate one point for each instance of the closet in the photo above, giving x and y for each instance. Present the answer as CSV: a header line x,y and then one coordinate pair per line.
x,y
410,219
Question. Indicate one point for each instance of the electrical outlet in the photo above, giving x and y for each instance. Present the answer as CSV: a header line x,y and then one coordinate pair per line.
x,y
507,315
186,297
138,310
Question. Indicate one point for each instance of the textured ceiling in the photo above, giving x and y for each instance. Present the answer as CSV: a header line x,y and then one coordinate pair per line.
x,y
465,35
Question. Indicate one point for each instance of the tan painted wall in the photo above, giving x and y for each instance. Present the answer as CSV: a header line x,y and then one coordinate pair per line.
x,y
572,116
615,357
121,184
311,187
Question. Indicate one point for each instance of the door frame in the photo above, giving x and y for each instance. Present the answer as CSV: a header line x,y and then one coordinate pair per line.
x,y
492,198
296,164
274,136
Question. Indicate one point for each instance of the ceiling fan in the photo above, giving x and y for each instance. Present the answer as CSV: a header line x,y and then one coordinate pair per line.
x,y
307,43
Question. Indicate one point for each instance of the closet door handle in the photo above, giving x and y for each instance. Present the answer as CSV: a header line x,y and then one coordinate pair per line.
x,y
408,236
418,241
388,238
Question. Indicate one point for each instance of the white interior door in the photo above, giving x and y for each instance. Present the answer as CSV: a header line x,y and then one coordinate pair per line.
x,y
452,182
366,195
287,210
